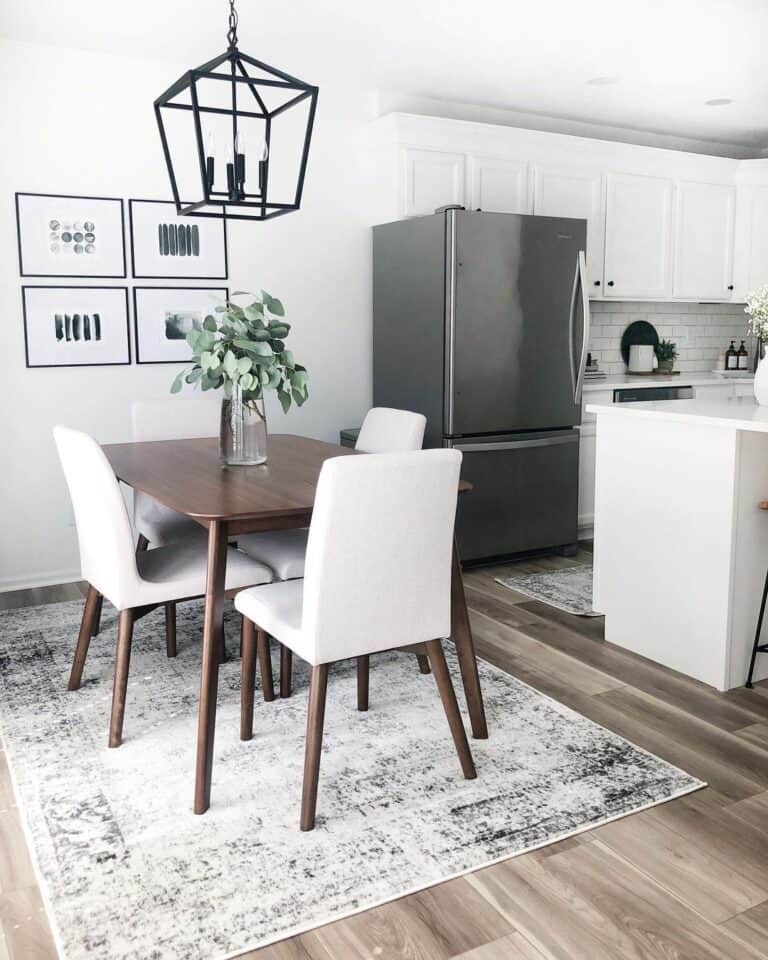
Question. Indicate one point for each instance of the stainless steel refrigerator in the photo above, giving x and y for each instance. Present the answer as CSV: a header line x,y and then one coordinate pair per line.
x,y
481,323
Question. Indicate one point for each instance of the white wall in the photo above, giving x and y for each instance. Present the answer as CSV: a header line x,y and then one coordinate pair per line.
x,y
82,123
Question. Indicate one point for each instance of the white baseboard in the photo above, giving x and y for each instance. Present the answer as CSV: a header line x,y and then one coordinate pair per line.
x,y
586,527
48,579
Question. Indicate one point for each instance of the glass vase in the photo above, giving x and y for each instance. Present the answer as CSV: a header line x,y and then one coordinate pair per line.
x,y
243,435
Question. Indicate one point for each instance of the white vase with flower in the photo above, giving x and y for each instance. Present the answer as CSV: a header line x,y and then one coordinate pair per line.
x,y
757,311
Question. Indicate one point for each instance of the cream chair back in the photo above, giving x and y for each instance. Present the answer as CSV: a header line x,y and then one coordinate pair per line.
x,y
104,534
388,431
180,417
378,562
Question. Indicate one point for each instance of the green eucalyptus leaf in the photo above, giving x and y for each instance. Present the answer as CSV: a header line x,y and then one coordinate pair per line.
x,y
272,304
264,376
246,381
298,379
178,382
277,345
244,293
230,363
194,375
254,347
254,311
287,358
244,364
260,335
298,397
285,400
275,378
210,324
279,330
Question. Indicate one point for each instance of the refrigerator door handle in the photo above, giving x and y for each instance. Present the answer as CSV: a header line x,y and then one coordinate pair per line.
x,y
572,437
586,326
450,317
571,325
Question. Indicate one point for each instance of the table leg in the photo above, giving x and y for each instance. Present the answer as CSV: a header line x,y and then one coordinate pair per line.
x,y
209,679
465,648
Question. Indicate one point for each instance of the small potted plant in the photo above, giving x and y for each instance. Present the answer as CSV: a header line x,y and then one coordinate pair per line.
x,y
242,350
666,354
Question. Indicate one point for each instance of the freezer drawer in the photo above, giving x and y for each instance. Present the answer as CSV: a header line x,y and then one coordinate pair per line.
x,y
524,496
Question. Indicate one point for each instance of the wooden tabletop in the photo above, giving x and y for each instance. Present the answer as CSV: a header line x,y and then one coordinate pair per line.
x,y
187,476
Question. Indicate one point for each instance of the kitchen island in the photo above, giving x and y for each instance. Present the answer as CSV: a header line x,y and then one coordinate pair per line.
x,y
681,547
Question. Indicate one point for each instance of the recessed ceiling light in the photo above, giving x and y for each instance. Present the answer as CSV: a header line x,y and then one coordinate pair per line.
x,y
602,81
718,102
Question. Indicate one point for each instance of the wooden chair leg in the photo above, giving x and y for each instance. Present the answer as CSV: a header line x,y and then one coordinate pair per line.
x,y
122,665
96,628
265,663
423,663
170,629
451,707
363,675
318,685
84,638
248,677
286,671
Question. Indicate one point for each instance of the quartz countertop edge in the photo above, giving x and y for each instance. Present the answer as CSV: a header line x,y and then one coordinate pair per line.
x,y
734,413
617,381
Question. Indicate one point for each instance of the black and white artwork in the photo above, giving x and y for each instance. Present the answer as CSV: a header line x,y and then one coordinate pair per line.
x,y
76,326
163,316
64,236
167,246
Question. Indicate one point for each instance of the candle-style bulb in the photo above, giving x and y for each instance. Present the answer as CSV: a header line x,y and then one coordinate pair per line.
x,y
239,142
264,152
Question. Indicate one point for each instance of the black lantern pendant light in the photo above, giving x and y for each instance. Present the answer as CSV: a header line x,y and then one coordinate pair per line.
x,y
224,124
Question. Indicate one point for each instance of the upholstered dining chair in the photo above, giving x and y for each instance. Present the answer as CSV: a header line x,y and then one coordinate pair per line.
x,y
173,418
377,576
170,418
135,583
384,430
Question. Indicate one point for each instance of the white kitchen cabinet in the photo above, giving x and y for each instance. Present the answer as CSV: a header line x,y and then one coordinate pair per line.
x,y
587,448
704,220
569,192
638,230
432,179
499,185
757,254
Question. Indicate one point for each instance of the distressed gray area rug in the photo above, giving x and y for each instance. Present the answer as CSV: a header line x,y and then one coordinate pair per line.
x,y
128,871
569,589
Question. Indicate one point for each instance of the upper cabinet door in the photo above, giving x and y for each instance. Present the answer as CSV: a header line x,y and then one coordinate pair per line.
x,y
499,185
757,271
638,229
704,240
432,179
563,192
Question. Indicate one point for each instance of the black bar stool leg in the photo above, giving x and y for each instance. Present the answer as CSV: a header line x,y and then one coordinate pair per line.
x,y
756,647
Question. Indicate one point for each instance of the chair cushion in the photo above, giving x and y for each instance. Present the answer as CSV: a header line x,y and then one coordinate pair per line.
x,y
179,570
280,550
161,525
276,608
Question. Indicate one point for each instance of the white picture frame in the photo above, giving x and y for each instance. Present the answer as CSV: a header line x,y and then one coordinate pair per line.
x,y
76,326
162,317
60,235
166,246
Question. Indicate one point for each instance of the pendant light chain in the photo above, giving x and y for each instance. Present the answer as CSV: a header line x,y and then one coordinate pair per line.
x,y
232,32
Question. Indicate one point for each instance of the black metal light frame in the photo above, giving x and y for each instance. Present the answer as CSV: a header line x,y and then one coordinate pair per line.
x,y
245,206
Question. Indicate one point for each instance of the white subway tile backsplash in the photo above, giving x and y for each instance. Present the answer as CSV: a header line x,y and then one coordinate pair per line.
x,y
702,331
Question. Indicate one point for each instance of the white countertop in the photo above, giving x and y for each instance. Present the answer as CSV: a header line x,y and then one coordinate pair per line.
x,y
734,413
616,381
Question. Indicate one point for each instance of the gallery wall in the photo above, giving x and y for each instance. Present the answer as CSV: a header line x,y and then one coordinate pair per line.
x,y
82,123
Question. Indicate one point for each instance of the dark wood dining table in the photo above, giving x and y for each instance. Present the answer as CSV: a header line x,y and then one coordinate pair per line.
x,y
188,477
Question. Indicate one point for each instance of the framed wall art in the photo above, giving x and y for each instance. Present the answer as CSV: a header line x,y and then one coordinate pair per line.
x,y
68,236
163,316
166,246
76,326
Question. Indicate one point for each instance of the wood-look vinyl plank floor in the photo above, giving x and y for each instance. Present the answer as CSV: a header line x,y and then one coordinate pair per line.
x,y
687,880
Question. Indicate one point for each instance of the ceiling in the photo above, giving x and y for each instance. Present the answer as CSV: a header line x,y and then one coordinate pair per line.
x,y
667,56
